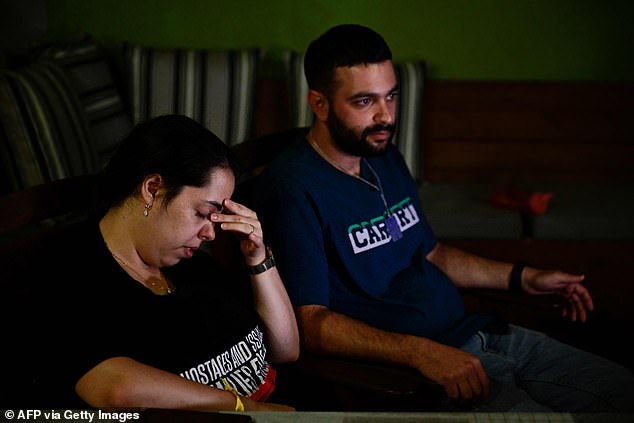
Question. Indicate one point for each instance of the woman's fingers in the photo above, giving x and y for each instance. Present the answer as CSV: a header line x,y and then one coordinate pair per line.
x,y
238,209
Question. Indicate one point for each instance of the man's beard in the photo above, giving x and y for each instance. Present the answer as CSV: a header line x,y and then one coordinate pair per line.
x,y
348,142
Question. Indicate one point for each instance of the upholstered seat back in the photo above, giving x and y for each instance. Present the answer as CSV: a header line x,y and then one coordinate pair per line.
x,y
65,112
215,88
44,133
100,90
61,115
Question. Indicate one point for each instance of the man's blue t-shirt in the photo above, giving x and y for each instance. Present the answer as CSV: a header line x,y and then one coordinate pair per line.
x,y
328,231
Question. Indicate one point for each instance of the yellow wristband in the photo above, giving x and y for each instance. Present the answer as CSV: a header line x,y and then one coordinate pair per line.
x,y
239,404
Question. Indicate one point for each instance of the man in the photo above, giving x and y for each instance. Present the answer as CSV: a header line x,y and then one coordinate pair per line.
x,y
369,280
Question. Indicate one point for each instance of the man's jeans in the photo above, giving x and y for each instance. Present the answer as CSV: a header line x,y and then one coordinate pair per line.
x,y
531,372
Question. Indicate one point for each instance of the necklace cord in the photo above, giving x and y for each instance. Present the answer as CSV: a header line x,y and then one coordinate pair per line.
x,y
341,168
154,287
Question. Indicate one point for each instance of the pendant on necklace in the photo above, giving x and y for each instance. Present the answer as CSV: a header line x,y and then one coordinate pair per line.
x,y
150,283
160,289
393,229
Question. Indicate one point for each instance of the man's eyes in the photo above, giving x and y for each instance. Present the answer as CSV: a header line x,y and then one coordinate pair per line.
x,y
363,101
366,101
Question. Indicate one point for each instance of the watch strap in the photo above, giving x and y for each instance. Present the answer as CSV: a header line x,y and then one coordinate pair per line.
x,y
268,263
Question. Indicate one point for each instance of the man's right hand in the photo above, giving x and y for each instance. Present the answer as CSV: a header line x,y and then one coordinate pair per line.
x,y
459,372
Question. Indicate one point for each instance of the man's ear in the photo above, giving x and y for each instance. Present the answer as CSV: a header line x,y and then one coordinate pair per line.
x,y
319,104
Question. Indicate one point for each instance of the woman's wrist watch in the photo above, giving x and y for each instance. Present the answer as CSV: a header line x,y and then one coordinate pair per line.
x,y
268,263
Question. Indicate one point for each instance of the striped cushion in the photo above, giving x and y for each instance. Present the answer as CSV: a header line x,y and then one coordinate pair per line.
x,y
90,72
411,79
43,128
215,88
301,114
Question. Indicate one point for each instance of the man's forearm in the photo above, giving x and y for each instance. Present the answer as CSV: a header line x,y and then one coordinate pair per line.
x,y
468,270
322,332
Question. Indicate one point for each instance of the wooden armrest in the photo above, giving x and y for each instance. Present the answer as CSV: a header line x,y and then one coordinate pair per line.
x,y
390,380
329,383
47,201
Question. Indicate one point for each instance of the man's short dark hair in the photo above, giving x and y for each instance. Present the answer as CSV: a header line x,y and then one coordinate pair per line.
x,y
342,45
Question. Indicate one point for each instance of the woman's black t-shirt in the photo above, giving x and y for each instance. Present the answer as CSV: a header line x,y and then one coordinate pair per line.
x,y
205,331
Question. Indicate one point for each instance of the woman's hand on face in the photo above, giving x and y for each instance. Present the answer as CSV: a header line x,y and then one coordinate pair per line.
x,y
244,223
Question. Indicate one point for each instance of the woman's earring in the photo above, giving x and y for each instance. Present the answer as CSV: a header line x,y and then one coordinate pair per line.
x,y
148,206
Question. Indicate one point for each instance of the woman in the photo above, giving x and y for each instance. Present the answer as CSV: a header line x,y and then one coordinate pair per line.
x,y
168,326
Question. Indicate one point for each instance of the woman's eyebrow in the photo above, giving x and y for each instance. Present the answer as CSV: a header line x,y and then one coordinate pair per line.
x,y
215,204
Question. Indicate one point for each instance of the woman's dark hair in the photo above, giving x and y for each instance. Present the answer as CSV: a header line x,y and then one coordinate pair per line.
x,y
342,45
176,147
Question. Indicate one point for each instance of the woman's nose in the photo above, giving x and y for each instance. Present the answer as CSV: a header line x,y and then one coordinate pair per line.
x,y
208,231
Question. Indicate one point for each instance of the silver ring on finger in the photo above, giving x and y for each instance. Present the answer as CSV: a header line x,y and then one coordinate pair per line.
x,y
252,229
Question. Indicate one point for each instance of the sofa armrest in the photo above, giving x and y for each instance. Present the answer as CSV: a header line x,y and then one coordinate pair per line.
x,y
328,383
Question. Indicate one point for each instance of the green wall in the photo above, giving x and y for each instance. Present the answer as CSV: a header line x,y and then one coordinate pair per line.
x,y
461,39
